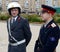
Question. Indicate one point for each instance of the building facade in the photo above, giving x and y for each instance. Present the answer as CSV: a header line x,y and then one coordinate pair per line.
x,y
30,5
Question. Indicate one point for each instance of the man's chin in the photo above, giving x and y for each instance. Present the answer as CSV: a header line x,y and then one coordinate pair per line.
x,y
14,15
43,20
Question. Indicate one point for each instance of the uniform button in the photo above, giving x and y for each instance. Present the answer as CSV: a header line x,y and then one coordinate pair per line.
x,y
38,48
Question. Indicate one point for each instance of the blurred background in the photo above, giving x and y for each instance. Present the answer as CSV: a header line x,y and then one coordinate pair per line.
x,y
30,10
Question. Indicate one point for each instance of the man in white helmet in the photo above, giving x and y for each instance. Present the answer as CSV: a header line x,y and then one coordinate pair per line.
x,y
18,29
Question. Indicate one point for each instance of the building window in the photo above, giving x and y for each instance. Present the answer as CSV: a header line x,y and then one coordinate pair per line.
x,y
14,0
7,2
26,4
0,5
48,2
55,3
37,4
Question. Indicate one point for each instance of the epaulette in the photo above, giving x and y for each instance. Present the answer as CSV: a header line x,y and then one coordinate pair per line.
x,y
53,25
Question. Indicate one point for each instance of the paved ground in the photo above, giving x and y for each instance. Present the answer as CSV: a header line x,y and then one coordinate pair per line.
x,y
4,37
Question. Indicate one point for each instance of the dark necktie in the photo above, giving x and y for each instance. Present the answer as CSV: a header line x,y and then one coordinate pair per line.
x,y
13,20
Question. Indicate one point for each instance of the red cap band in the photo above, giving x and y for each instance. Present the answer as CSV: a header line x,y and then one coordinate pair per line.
x,y
49,11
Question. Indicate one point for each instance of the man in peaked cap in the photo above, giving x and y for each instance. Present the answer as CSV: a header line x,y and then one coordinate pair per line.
x,y
48,9
49,32
18,29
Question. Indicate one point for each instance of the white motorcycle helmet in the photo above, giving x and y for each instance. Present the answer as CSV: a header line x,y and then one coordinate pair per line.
x,y
14,5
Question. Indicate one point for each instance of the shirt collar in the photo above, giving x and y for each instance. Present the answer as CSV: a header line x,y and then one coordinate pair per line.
x,y
15,18
47,22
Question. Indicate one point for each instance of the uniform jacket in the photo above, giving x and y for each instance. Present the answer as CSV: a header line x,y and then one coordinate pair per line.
x,y
20,30
48,37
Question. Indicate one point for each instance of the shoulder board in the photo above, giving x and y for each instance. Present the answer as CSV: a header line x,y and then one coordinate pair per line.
x,y
53,25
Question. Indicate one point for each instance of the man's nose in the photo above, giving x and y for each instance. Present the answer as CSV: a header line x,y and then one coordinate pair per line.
x,y
14,11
